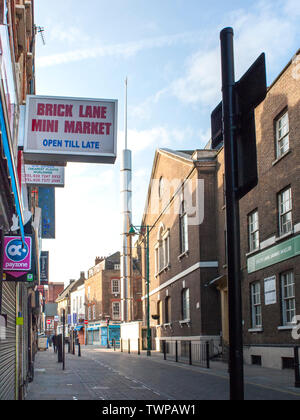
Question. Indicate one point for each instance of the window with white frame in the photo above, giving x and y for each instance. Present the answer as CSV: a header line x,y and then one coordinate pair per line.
x,y
166,250
89,313
162,250
116,310
253,231
256,305
288,297
160,187
183,226
185,296
282,134
115,286
94,311
285,211
168,313
156,260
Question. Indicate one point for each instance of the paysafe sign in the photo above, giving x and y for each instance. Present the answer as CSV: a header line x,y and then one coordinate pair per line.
x,y
60,129
17,255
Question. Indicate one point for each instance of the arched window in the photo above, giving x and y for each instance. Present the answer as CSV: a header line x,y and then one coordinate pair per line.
x,y
183,226
162,249
160,187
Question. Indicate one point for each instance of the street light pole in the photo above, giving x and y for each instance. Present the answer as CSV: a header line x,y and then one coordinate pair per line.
x,y
148,297
132,231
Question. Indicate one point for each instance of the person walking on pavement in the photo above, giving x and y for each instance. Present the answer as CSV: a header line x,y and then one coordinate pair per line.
x,y
54,341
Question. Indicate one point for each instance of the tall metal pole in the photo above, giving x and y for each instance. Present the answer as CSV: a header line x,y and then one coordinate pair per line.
x,y
126,194
148,297
232,217
63,338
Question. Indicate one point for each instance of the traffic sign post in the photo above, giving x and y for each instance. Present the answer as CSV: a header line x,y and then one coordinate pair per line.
x,y
237,131
232,219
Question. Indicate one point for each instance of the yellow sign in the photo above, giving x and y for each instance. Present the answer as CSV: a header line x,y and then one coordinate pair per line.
x,y
20,321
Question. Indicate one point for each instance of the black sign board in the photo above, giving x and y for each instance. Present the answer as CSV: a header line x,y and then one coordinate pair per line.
x,y
44,267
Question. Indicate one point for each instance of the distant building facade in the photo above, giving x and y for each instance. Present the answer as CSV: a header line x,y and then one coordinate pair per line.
x,y
103,299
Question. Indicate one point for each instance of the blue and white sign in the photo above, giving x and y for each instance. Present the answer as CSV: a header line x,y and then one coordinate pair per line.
x,y
47,204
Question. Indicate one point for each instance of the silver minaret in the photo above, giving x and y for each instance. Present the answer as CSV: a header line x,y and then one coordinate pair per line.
x,y
126,194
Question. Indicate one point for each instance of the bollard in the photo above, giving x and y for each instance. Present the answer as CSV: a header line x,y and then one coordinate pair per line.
x,y
128,345
139,350
73,342
176,351
207,354
164,350
69,346
121,345
79,351
114,344
297,366
190,352
59,349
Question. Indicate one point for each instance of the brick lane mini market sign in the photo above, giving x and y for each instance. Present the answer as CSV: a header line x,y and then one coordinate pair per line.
x,y
59,129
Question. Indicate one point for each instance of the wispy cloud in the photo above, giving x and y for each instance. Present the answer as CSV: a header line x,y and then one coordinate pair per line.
x,y
267,28
140,140
58,33
124,50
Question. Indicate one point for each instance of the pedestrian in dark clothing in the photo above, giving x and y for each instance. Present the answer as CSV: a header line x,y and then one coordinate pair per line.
x,y
54,341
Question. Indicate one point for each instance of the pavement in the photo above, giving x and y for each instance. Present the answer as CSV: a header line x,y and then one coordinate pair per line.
x,y
102,374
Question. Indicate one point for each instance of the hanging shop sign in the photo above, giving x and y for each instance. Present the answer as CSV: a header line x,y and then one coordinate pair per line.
x,y
46,198
17,255
44,267
17,276
59,129
47,176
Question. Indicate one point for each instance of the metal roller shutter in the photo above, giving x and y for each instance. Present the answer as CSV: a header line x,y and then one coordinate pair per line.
x,y
8,346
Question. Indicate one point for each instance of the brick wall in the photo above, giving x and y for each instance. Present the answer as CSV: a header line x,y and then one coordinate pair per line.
x,y
274,175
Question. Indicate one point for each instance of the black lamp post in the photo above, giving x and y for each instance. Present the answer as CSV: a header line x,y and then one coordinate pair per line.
x,y
133,231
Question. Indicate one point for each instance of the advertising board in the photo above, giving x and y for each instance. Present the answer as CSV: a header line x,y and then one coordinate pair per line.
x,y
47,176
17,256
59,129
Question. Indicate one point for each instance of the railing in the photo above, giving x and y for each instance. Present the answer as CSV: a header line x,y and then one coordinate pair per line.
x,y
182,351
189,352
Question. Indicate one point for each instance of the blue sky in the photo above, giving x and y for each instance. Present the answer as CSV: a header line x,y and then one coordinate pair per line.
x,y
169,50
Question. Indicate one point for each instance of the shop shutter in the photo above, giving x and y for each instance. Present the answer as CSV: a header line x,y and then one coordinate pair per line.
x,y
8,346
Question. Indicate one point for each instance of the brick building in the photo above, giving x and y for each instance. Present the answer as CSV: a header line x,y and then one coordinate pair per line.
x,y
269,226
103,299
54,289
180,211
51,293
18,344
188,259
